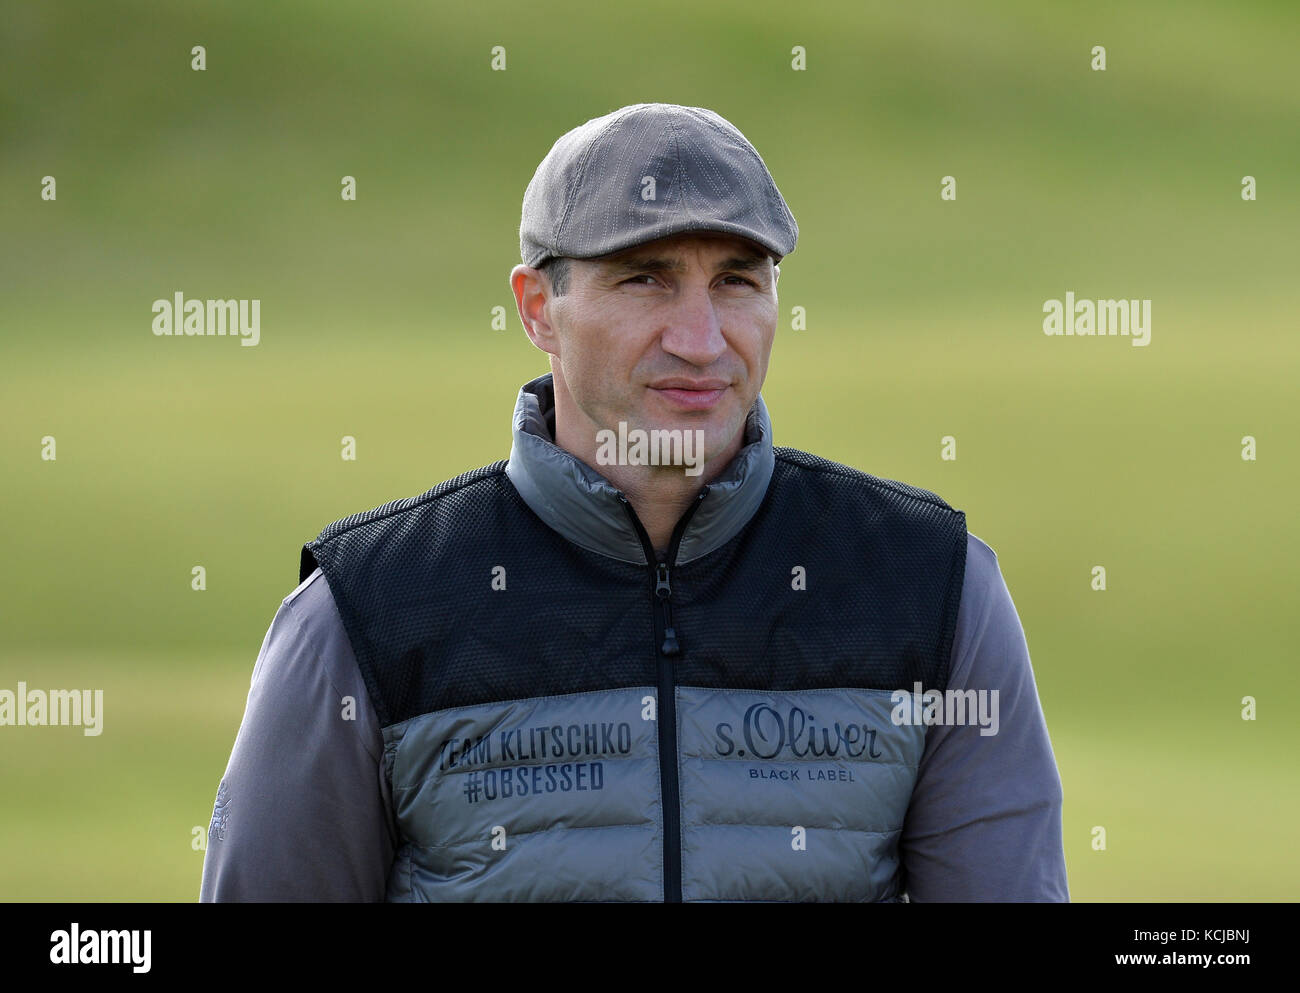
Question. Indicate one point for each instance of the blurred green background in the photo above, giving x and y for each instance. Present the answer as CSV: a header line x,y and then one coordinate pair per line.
x,y
924,320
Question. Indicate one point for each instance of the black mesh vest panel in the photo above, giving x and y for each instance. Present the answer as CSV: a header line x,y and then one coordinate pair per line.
x,y
882,566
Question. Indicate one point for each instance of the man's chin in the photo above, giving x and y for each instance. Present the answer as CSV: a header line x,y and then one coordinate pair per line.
x,y
709,436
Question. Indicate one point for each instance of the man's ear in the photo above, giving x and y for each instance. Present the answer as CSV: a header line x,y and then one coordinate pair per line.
x,y
532,298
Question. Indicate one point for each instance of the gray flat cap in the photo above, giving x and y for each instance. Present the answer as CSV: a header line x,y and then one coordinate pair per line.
x,y
647,171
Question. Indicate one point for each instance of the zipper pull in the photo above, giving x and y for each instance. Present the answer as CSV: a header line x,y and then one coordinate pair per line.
x,y
664,591
670,646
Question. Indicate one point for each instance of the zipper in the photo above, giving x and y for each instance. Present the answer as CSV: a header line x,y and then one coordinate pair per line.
x,y
663,593
667,647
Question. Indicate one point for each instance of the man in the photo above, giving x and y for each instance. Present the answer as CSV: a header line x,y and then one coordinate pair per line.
x,y
649,656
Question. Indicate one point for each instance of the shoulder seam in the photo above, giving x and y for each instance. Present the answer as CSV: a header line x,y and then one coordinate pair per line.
x,y
301,588
986,545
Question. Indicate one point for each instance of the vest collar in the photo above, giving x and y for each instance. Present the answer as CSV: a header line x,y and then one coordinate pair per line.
x,y
582,505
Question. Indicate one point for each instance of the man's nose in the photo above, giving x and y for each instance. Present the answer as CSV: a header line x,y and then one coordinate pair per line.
x,y
694,332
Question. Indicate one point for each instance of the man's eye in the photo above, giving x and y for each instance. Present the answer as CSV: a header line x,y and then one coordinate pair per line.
x,y
645,275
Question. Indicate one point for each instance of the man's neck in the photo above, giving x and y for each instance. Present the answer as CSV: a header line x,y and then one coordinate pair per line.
x,y
658,494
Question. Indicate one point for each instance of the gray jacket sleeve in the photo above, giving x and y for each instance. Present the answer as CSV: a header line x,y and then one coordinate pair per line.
x,y
302,812
984,823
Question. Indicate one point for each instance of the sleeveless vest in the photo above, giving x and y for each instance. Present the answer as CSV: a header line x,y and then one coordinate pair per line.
x,y
561,725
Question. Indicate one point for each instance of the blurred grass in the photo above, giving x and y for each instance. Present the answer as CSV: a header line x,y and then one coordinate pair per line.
x,y
924,320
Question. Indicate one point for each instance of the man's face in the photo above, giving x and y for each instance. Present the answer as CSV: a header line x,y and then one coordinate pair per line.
x,y
670,334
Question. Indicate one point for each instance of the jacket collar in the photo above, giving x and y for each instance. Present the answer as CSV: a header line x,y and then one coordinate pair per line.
x,y
583,506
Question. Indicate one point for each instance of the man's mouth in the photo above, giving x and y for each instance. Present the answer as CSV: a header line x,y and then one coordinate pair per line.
x,y
687,394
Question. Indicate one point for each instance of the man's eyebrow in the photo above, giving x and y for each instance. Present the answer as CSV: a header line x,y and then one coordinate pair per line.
x,y
655,263
640,263
745,262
